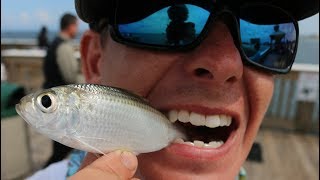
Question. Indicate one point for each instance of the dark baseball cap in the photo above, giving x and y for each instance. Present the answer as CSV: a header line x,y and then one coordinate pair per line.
x,y
94,10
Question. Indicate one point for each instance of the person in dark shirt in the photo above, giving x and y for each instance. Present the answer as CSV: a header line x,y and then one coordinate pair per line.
x,y
179,31
43,42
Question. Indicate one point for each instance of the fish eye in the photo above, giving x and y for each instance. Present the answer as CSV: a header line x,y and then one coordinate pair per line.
x,y
46,102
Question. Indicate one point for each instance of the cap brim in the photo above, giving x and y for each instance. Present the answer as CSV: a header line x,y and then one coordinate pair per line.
x,y
299,9
91,11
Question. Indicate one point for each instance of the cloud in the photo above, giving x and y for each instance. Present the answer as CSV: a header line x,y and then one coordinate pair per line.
x,y
43,16
24,18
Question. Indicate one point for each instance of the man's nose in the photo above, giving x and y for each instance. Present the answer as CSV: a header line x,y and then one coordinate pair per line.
x,y
217,59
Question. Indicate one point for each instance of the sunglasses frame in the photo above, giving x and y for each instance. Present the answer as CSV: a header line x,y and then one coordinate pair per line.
x,y
116,36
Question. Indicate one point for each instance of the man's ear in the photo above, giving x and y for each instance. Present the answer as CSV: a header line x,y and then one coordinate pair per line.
x,y
90,49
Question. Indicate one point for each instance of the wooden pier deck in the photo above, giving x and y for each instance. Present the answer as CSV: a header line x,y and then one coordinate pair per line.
x,y
286,155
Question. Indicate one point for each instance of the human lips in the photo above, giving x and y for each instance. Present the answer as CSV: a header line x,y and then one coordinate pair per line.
x,y
210,133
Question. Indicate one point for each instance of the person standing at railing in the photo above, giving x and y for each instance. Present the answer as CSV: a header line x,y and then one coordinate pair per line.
x,y
276,37
60,68
43,42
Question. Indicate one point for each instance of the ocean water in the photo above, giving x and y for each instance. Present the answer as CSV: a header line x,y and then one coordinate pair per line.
x,y
308,51
31,35
308,48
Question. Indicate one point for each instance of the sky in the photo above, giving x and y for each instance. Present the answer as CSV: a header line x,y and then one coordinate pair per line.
x,y
21,15
33,14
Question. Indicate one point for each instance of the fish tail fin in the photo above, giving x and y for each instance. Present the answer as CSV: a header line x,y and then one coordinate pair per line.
x,y
175,132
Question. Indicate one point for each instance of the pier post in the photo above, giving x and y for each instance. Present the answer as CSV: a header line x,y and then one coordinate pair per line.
x,y
303,121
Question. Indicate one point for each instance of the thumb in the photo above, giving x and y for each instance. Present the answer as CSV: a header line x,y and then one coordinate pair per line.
x,y
115,165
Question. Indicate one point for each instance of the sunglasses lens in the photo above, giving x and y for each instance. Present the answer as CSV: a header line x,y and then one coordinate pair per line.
x,y
269,41
176,25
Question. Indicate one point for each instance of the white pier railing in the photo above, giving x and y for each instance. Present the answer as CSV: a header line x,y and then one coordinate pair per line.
x,y
295,103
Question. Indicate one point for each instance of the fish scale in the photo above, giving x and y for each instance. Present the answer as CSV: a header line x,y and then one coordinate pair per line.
x,y
98,119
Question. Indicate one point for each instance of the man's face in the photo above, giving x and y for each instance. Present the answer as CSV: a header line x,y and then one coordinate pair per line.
x,y
73,29
209,80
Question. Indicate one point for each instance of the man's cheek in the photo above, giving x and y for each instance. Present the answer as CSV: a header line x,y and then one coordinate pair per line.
x,y
259,90
259,85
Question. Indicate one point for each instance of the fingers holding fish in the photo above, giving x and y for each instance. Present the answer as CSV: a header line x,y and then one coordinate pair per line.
x,y
114,165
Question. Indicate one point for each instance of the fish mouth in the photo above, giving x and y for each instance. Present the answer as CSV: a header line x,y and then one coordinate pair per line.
x,y
204,130
21,109
20,112
18,109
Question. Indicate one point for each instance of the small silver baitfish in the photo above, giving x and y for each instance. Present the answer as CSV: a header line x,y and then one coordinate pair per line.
x,y
97,119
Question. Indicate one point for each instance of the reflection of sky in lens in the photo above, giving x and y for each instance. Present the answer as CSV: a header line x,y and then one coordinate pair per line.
x,y
249,30
158,22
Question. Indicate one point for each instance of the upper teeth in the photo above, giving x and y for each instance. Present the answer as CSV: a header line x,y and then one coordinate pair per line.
x,y
196,119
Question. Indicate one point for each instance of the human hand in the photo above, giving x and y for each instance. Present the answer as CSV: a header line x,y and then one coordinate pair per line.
x,y
113,166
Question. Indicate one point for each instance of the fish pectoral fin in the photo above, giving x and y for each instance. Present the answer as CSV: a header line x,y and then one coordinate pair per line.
x,y
87,137
94,149
102,139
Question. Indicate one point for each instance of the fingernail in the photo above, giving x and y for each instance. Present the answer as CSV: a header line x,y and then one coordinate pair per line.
x,y
129,160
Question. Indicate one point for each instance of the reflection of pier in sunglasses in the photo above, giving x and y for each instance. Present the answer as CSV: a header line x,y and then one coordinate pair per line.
x,y
273,58
271,45
265,43
176,25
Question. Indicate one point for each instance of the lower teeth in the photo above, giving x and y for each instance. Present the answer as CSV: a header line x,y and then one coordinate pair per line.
x,y
212,144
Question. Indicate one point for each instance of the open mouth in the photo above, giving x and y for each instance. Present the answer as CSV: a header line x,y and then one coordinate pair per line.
x,y
205,131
